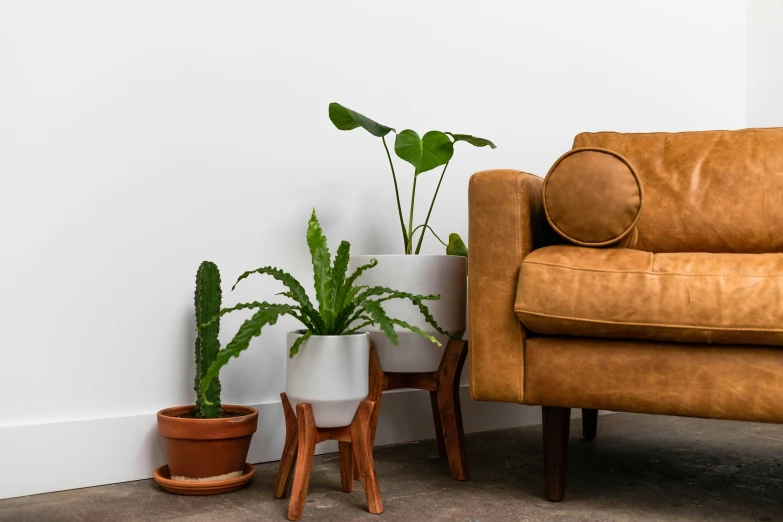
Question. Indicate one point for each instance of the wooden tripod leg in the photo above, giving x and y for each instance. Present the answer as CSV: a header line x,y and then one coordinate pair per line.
x,y
304,460
289,448
362,450
438,426
449,409
346,466
376,390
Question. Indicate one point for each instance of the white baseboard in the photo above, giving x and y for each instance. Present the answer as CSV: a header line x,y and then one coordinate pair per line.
x,y
44,457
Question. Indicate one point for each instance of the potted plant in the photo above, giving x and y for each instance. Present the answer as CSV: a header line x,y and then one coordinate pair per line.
x,y
444,275
328,364
208,442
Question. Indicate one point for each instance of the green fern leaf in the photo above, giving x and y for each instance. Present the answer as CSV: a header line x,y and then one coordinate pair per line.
x,y
356,314
347,309
348,289
380,318
431,320
415,299
249,329
297,293
415,329
224,311
322,270
295,347
338,272
297,290
367,322
379,291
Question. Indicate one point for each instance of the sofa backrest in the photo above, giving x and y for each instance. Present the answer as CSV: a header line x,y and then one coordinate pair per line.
x,y
713,191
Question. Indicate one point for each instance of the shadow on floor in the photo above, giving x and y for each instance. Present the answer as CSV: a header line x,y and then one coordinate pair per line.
x,y
641,467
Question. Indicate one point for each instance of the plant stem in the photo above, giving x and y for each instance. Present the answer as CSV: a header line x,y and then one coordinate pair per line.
x,y
410,219
396,193
421,238
433,233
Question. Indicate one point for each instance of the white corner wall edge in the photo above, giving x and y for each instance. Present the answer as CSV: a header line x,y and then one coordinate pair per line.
x,y
40,458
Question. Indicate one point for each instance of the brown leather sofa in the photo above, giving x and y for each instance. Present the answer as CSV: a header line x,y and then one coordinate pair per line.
x,y
688,322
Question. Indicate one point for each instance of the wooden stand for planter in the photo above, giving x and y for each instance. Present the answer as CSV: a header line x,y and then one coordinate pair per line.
x,y
355,446
443,386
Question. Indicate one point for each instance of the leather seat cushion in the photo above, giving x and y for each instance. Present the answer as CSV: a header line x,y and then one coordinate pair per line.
x,y
593,197
720,382
680,297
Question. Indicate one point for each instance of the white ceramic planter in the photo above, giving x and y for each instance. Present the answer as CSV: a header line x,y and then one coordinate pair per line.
x,y
418,274
331,372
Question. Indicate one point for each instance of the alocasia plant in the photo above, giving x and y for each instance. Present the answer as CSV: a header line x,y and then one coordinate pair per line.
x,y
424,153
343,307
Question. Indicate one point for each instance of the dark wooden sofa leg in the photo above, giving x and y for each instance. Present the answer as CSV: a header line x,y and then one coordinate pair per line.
x,y
589,423
556,422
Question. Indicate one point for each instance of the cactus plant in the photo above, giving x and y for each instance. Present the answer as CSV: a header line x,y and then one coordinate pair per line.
x,y
208,298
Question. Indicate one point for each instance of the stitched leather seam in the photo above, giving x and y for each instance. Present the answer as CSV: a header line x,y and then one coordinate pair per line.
x,y
471,351
662,325
606,242
642,272
519,264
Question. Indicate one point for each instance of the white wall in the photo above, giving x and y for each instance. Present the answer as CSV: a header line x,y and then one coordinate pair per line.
x,y
765,56
139,138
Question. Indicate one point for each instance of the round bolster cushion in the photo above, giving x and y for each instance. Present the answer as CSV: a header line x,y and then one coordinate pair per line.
x,y
593,197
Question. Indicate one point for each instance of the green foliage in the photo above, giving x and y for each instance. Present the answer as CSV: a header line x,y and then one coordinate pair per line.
x,y
456,246
346,119
476,142
431,151
207,300
343,306
322,271
249,329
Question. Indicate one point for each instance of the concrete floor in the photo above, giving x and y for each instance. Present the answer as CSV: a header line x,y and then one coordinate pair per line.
x,y
640,467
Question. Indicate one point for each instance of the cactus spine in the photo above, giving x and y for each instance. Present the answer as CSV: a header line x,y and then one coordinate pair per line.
x,y
207,345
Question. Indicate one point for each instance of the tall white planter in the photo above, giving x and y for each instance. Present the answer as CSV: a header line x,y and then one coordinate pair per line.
x,y
331,372
418,274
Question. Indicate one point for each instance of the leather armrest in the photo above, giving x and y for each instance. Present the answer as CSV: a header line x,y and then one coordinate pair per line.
x,y
506,222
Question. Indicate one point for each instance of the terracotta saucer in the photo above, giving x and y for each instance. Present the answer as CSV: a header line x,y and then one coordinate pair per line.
x,y
187,487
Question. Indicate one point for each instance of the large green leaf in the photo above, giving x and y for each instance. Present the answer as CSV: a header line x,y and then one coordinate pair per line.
x,y
249,329
456,246
380,318
476,142
322,270
431,151
346,119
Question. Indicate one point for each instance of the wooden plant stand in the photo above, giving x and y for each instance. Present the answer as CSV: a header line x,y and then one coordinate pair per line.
x,y
355,447
443,386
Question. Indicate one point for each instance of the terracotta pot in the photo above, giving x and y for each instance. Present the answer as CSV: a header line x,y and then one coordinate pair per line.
x,y
207,449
